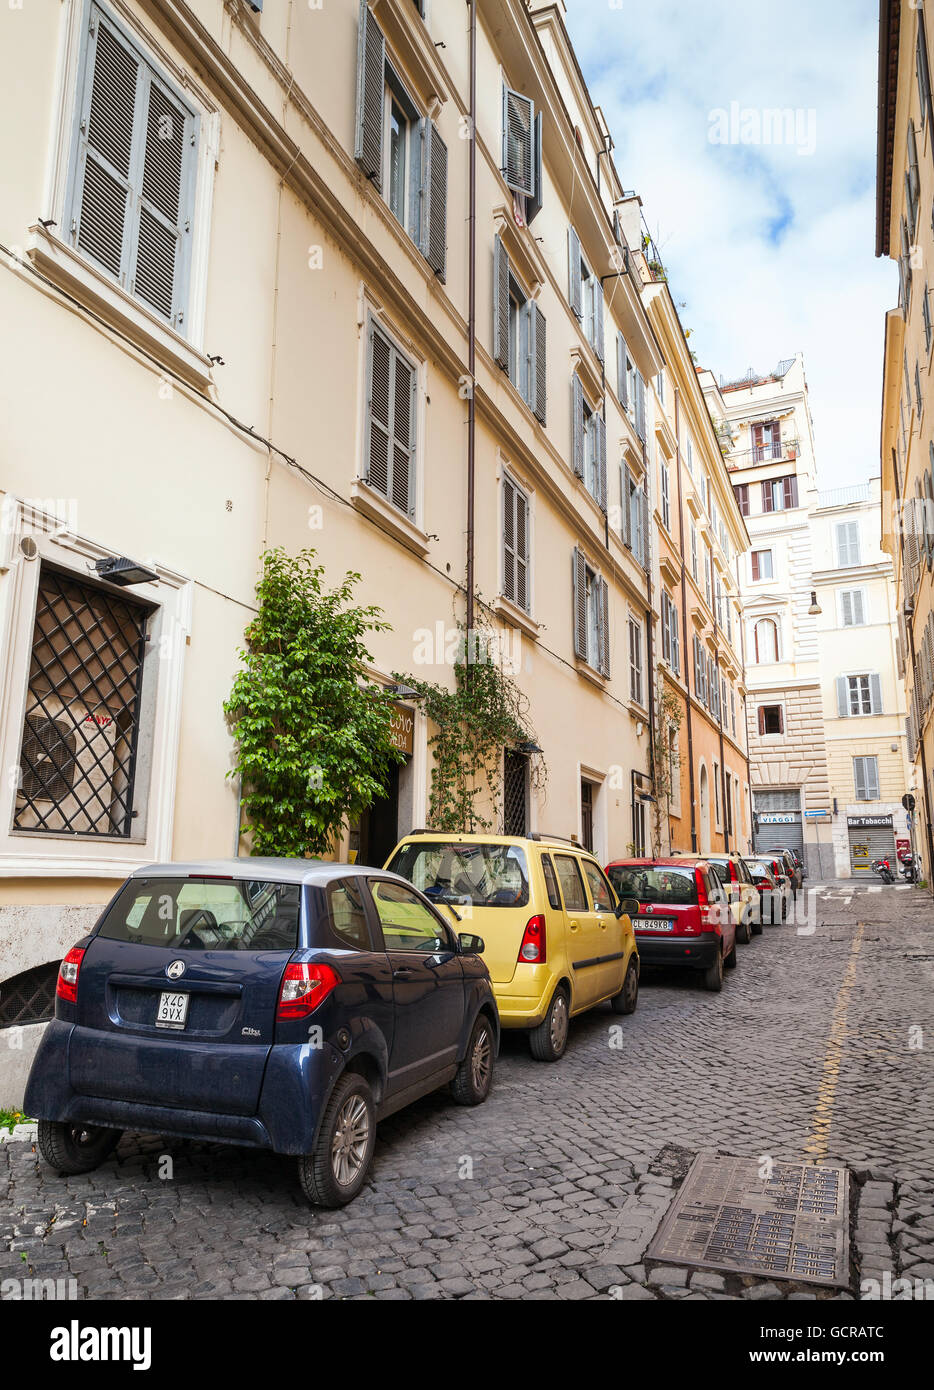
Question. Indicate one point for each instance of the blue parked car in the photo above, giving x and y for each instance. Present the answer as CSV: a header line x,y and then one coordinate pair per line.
x,y
286,1004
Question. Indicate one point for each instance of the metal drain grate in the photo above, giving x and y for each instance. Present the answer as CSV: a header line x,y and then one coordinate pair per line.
x,y
791,1225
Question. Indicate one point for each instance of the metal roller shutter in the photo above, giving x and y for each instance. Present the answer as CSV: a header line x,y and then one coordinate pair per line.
x,y
787,833
869,842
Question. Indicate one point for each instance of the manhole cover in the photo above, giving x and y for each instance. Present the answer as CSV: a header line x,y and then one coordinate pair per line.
x,y
791,1225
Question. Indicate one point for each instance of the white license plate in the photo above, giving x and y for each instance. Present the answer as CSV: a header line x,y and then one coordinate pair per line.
x,y
173,1009
654,924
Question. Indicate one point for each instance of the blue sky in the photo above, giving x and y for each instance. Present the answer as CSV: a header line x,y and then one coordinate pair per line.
x,y
769,250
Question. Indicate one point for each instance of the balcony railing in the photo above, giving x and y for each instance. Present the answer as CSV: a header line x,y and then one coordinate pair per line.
x,y
786,452
844,496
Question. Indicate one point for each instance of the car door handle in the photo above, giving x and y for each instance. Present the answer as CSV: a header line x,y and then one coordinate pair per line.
x,y
404,972
573,926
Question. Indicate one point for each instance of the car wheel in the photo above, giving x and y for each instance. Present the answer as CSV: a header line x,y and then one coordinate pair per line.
x,y
744,930
474,1077
75,1148
755,924
784,909
549,1040
729,962
713,975
625,1002
335,1170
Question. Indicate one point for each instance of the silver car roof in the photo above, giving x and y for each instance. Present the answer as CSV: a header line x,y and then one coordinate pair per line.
x,y
312,871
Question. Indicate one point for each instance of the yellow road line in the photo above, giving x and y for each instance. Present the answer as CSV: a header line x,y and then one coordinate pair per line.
x,y
819,1130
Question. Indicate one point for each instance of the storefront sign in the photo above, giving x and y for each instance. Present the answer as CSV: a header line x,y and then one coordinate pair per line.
x,y
869,822
402,729
777,817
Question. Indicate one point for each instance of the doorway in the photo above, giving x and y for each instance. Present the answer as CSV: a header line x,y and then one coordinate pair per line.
x,y
704,797
587,815
377,834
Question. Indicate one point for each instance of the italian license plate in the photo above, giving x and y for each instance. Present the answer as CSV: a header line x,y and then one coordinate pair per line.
x,y
654,924
173,1009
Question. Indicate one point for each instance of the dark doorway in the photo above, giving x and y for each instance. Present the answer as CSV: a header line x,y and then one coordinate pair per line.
x,y
515,819
587,815
379,825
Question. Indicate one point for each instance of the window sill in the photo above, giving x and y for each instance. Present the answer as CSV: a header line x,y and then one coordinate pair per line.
x,y
374,505
590,673
408,35
515,616
521,247
70,272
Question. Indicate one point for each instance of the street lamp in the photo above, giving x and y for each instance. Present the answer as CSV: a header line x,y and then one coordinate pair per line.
x,y
815,607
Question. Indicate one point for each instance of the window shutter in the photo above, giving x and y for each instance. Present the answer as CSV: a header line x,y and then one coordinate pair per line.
x,y
403,435
599,311
579,582
518,139
577,425
371,67
575,283
522,551
790,491
675,641
625,519
600,441
761,719
380,367
843,698
500,304
164,229
533,204
875,694
539,363
754,560
846,608
435,232
644,525
509,539
872,779
767,497
640,406
622,385
603,592
859,777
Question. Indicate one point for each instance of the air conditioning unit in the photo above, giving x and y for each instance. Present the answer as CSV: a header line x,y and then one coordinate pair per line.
x,y
68,761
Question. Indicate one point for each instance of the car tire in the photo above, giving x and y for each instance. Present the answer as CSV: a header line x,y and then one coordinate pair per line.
x,y
713,975
755,924
335,1170
784,909
474,1077
626,1001
550,1039
729,962
744,930
75,1148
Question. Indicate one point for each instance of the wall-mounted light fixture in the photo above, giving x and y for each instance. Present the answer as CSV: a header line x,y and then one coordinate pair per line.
x,y
815,607
117,569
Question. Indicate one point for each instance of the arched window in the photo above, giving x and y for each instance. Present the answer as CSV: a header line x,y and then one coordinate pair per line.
x,y
766,640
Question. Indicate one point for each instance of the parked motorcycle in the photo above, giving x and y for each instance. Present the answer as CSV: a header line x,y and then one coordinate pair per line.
x,y
883,868
909,867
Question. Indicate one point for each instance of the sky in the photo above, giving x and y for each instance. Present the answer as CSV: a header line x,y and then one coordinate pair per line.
x,y
769,247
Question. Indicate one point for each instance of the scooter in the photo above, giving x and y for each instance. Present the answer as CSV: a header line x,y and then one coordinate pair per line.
x,y
909,868
883,868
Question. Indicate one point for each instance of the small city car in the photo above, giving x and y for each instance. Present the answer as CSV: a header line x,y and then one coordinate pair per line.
x,y
557,941
794,867
734,875
773,902
284,1004
684,918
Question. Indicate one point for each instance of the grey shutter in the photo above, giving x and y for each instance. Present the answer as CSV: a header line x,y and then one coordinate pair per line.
x,y
872,779
577,425
403,447
600,441
419,146
539,362
575,282
859,777
435,232
378,419
522,551
640,406
599,310
603,592
533,204
500,304
846,607
644,523
843,698
509,539
371,68
622,385
675,641
579,598
159,271
875,694
518,141
626,503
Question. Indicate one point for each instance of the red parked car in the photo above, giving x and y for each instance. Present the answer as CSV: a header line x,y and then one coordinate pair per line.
x,y
773,891
684,918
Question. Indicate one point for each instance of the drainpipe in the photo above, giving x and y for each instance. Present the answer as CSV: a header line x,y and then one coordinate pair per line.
x,y
914,679
742,647
471,322
723,814
649,643
684,623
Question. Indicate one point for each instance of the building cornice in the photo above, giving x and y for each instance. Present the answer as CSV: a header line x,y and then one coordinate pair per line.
x,y
889,31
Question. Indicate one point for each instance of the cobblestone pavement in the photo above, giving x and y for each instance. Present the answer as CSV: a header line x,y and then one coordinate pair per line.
x,y
820,1047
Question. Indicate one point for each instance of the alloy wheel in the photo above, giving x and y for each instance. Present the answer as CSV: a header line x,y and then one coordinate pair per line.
x,y
559,1022
481,1060
351,1138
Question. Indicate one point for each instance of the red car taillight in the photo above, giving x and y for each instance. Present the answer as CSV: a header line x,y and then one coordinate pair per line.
x,y
734,876
532,950
702,899
304,988
67,987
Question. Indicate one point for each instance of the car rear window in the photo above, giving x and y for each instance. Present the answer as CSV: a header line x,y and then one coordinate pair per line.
x,y
481,874
722,871
656,883
199,914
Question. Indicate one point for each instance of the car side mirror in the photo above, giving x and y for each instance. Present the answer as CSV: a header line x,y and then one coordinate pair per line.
x,y
470,945
627,907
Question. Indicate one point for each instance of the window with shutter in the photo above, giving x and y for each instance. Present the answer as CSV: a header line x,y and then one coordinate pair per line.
x,y
635,661
130,200
390,445
515,544
579,602
500,304
577,425
866,778
852,608
575,279
640,404
539,397
603,601
599,430
519,142
666,503
622,371
371,77
434,245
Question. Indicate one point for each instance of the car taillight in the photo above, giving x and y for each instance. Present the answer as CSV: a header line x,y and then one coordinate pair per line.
x,y
304,988
532,950
67,987
734,876
702,899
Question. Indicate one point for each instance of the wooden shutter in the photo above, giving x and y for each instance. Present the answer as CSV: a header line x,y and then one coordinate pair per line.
x,y
575,282
754,561
371,69
105,149
640,406
790,491
539,363
622,385
533,205
509,539
603,599
767,497
599,309
644,525
500,304
391,423
577,425
843,698
626,485
164,231
742,497
761,719
579,601
380,374
600,447
859,777
875,694
522,550
675,640
518,141
435,232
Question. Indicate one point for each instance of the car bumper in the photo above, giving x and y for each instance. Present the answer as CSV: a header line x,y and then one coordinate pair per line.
x,y
691,952
296,1084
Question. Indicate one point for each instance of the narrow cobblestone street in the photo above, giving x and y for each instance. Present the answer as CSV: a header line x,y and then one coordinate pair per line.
x,y
816,1049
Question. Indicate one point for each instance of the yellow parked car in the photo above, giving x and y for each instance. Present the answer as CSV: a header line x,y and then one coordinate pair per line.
x,y
557,940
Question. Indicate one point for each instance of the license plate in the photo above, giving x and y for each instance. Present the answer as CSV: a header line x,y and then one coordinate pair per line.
x,y
654,924
173,1009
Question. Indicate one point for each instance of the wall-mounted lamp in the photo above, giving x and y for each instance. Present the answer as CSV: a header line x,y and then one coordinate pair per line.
x,y
815,607
403,691
117,569
529,747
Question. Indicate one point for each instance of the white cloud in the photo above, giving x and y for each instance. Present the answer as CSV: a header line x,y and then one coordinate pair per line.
x,y
772,250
